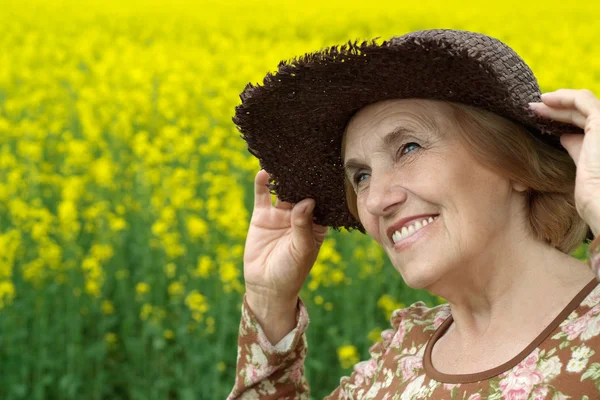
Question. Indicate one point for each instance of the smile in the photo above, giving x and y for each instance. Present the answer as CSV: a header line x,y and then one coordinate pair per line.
x,y
411,233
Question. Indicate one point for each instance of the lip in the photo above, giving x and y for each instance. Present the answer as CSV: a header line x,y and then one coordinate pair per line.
x,y
404,243
399,224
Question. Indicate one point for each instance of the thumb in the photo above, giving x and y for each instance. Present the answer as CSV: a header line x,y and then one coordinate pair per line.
x,y
302,231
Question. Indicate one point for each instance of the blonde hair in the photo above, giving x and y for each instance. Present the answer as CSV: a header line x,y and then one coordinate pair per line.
x,y
513,152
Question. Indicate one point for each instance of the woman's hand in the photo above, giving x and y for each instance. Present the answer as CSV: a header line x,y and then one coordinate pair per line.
x,y
281,247
580,108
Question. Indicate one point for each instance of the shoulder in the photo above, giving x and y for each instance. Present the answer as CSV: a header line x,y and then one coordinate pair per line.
x,y
420,314
403,320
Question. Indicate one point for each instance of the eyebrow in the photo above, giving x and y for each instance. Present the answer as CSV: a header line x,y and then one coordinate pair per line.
x,y
390,139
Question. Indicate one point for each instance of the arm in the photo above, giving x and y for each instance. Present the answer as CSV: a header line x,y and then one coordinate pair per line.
x,y
265,371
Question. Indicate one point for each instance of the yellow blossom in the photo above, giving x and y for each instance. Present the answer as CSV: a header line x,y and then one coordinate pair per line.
x,y
117,224
204,267
196,227
93,288
7,293
374,335
196,302
347,355
170,270
388,305
108,307
146,311
142,288
176,289
102,170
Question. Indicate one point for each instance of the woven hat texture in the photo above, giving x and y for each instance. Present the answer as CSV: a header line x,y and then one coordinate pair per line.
x,y
293,123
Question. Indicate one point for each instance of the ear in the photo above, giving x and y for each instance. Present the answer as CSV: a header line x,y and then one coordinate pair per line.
x,y
519,187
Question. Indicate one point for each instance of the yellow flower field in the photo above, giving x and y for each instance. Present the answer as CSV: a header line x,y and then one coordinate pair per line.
x,y
126,190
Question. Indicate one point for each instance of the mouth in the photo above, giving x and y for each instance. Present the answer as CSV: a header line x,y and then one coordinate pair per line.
x,y
411,233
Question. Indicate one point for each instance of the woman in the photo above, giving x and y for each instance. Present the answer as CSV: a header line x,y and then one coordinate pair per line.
x,y
431,148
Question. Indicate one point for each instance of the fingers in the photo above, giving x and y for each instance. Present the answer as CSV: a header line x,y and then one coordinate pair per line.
x,y
568,105
569,116
302,225
262,196
583,100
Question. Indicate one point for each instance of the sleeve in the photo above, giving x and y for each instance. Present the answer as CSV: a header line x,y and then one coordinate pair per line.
x,y
361,381
265,371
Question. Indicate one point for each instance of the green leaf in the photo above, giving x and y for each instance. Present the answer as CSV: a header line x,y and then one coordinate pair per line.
x,y
593,372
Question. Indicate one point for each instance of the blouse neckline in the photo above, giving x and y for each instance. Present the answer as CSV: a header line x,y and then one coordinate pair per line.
x,y
490,373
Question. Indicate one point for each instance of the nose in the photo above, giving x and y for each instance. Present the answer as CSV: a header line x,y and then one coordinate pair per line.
x,y
384,195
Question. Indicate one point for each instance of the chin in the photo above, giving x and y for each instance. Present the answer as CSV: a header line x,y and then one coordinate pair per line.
x,y
419,277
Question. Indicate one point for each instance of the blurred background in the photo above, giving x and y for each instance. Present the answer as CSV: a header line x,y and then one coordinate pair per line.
x,y
126,191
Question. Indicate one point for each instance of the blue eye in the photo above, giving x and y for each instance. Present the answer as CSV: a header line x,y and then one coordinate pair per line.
x,y
359,175
407,145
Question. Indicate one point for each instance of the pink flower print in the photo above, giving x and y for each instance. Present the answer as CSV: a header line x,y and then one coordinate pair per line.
x,y
365,369
399,336
574,327
254,374
440,318
410,365
592,329
387,336
399,313
517,383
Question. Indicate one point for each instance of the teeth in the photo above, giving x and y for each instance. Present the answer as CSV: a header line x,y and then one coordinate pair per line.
x,y
406,232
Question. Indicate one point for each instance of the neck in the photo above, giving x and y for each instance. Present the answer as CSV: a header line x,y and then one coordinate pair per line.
x,y
527,285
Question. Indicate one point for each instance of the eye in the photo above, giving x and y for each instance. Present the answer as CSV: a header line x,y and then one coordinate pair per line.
x,y
359,175
407,145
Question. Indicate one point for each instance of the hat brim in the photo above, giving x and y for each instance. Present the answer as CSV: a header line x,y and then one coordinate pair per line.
x,y
294,122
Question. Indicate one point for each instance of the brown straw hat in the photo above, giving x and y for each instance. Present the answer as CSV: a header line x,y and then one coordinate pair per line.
x,y
294,122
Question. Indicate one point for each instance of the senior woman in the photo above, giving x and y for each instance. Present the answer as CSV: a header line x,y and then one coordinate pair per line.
x,y
429,145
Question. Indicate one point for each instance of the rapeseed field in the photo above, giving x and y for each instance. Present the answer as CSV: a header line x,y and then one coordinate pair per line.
x,y
126,191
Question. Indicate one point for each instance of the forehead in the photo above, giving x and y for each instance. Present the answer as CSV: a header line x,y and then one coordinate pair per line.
x,y
378,119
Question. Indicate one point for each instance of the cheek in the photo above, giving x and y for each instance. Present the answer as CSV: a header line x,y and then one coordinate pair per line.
x,y
369,221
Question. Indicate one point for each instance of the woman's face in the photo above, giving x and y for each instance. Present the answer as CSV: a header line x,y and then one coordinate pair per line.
x,y
417,173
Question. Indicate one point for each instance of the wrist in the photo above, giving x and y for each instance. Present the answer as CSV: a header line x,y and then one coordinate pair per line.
x,y
275,318
267,307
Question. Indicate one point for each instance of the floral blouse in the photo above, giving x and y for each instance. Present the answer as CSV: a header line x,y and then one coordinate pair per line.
x,y
563,362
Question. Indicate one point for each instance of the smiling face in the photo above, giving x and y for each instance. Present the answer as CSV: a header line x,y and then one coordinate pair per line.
x,y
404,160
